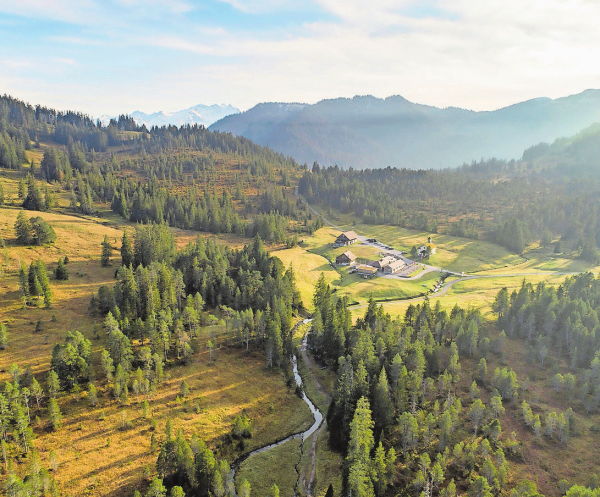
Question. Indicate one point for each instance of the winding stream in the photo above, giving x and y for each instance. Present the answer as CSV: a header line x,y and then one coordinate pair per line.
x,y
318,419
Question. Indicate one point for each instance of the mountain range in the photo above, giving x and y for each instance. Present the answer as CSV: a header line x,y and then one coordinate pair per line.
x,y
198,114
368,132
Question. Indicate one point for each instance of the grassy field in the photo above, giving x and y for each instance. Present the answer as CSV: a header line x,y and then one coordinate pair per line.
x,y
275,466
461,254
312,258
473,294
307,268
97,457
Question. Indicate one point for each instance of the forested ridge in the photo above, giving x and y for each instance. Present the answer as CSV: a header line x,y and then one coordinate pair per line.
x,y
504,202
188,177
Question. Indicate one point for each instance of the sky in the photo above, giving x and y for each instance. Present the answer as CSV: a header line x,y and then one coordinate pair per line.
x,y
117,56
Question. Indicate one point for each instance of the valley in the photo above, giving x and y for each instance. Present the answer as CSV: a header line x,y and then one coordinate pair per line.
x,y
154,293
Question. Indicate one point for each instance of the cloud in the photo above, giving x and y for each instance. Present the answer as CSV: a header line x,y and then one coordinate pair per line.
x,y
262,6
71,11
64,61
479,55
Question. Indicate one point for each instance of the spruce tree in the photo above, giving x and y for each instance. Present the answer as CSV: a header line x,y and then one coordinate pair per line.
x,y
126,250
23,229
53,383
3,337
106,252
54,413
61,272
360,445
383,409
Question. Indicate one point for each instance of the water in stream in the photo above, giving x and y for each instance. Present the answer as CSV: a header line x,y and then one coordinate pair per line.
x,y
317,415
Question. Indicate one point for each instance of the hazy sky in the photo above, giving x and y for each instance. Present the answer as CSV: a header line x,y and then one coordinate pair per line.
x,y
113,56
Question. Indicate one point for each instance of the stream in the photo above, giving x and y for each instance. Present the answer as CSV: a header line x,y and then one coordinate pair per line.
x,y
318,419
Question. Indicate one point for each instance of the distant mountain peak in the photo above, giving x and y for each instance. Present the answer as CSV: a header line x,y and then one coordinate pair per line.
x,y
200,114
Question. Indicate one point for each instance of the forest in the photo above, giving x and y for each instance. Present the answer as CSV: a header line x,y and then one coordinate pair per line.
x,y
504,202
428,403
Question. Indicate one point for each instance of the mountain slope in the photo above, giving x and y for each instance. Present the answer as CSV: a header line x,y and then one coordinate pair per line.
x,y
369,132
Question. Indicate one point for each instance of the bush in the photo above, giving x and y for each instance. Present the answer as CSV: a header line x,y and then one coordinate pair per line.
x,y
242,427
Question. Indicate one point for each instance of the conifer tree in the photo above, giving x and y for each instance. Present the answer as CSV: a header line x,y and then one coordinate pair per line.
x,y
106,252
54,414
3,337
61,272
53,383
37,392
23,229
383,409
360,445
126,250
92,395
244,488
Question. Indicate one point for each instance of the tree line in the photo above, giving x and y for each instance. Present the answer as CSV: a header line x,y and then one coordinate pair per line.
x,y
504,202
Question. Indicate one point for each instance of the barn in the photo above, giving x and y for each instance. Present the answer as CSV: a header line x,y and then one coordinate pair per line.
x,y
345,259
346,238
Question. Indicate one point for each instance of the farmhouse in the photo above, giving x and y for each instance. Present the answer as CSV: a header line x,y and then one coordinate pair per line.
x,y
366,271
346,238
382,263
394,267
347,258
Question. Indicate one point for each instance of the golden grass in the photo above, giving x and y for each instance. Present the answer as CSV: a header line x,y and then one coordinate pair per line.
x,y
221,390
307,268
474,294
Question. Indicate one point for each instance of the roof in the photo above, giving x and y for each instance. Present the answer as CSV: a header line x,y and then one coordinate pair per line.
x,y
363,268
350,235
348,254
396,264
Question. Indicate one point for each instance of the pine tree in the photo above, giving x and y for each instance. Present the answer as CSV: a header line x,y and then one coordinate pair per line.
x,y
383,409
3,337
53,383
156,489
37,392
61,272
23,281
106,252
177,492
126,250
244,489
107,365
274,341
23,229
359,449
184,389
54,413
92,395
476,413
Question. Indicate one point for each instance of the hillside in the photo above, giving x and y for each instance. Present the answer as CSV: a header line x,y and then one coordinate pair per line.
x,y
151,345
574,156
367,132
